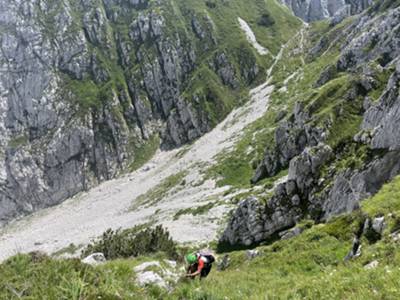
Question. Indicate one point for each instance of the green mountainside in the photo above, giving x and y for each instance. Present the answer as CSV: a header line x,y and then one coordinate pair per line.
x,y
314,182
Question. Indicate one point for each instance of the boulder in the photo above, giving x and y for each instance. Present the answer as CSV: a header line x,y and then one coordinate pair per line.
x,y
378,225
155,273
94,259
395,236
251,254
247,224
290,233
150,278
292,136
224,263
383,118
372,265
142,267
355,249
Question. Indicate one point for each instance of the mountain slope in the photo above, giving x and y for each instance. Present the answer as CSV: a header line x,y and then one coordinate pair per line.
x,y
308,266
89,89
305,174
167,190
336,139
314,10
327,84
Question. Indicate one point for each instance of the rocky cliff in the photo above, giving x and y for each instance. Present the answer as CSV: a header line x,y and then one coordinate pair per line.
x,y
88,87
314,10
340,143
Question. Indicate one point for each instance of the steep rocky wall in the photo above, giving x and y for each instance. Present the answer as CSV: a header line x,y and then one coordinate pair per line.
x,y
314,10
328,177
87,87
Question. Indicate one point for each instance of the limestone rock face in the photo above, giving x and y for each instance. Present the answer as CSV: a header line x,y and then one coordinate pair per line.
x,y
315,186
85,84
314,10
254,221
292,136
382,120
247,225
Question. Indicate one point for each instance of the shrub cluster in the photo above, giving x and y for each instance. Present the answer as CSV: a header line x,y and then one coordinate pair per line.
x,y
133,242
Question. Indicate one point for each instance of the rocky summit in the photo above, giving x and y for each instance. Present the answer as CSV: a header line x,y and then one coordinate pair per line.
x,y
264,131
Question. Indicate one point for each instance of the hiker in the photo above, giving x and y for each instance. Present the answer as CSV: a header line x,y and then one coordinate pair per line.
x,y
199,264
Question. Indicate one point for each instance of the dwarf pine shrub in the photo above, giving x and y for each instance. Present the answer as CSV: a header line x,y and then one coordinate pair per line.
x,y
132,243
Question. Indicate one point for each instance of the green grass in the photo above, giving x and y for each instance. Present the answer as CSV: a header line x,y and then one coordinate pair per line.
x,y
386,201
143,152
236,167
40,277
381,76
157,193
18,141
70,249
330,105
194,211
309,266
85,94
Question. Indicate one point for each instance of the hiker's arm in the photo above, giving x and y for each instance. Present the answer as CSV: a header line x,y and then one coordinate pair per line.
x,y
199,268
193,274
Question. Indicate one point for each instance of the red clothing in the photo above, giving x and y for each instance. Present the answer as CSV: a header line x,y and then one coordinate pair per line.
x,y
200,264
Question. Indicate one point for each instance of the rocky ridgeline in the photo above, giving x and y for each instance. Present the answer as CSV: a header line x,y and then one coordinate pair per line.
x,y
85,84
314,10
315,188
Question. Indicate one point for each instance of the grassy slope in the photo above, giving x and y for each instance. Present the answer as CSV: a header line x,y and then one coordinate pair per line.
x,y
309,266
294,78
203,82
44,278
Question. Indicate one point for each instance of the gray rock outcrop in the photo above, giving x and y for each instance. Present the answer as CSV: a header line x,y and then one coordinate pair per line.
x,y
314,10
369,46
255,221
154,273
292,136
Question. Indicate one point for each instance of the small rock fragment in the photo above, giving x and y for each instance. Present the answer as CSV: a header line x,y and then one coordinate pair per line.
x,y
372,265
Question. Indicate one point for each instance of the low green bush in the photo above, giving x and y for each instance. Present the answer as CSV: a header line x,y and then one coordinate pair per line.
x,y
132,243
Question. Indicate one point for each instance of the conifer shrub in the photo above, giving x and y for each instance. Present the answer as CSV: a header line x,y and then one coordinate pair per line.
x,y
133,242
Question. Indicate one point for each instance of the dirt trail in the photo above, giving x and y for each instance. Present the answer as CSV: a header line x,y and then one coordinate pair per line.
x,y
87,215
